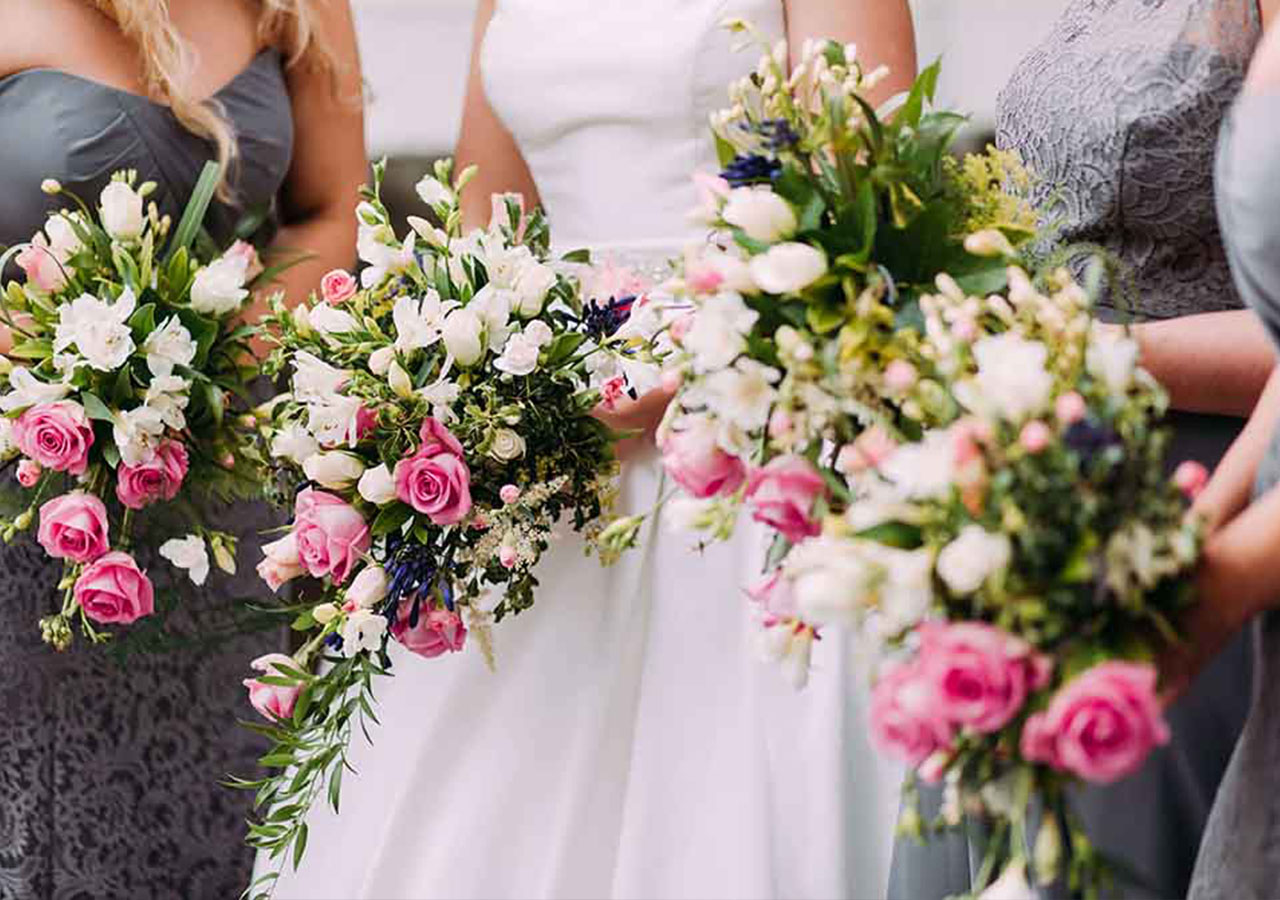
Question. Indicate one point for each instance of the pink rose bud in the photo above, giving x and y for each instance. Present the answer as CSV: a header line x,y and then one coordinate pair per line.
x,y
1035,436
1070,408
56,435
331,534
29,473
671,380
782,495
696,461
479,522
273,701
509,493
244,252
338,287
1101,725
75,527
435,480
43,270
159,478
228,461
903,720
112,590
438,631
1190,477
508,557
281,563
900,376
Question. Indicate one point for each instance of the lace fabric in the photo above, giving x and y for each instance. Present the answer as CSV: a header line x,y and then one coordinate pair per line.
x,y
1116,114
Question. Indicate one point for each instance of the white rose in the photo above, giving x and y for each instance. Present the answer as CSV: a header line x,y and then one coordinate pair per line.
x,y
63,241
464,337
507,445
121,210
369,588
328,319
975,555
315,379
433,192
519,356
334,470
190,554
533,284
380,360
1112,361
760,213
788,268
718,333
27,390
377,485
362,631
219,288
1012,380
294,443
168,346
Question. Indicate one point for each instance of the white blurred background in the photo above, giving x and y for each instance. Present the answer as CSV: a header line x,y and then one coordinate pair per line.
x,y
415,54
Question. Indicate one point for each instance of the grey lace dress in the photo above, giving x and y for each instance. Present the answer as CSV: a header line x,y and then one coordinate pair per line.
x,y
109,773
1116,114
1240,857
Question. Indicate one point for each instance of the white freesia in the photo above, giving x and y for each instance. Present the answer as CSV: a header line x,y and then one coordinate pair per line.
x,y
788,268
334,469
335,420
493,305
97,329
380,360
315,379
1012,379
189,554
328,319
362,631
504,264
433,192
442,395
369,588
399,380
137,433
377,485
760,213
533,283
788,647
506,445
419,320
428,232
120,207
294,443
168,396
519,356
1113,361
744,394
376,245
976,554
718,333
464,336
219,288
27,390
168,346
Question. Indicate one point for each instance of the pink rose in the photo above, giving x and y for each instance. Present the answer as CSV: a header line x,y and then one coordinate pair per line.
x,y
29,473
774,596
281,562
245,253
159,478
1100,726
42,268
438,631
114,591
435,480
698,464
902,716
1035,436
979,675
338,287
331,534
273,701
1190,477
510,493
74,526
1070,408
782,495
56,435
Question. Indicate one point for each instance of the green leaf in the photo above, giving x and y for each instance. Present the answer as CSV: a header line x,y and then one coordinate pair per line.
x,y
577,256
300,845
111,453
40,349
143,322
921,91
824,318
562,348
335,787
193,216
95,408
392,518
894,534
217,401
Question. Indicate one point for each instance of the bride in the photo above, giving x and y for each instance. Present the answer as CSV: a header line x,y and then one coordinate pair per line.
x,y
629,745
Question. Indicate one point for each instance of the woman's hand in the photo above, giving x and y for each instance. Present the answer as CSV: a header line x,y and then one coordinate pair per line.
x,y
637,420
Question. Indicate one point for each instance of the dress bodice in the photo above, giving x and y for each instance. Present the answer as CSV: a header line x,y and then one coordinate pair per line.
x,y
1116,114
80,131
610,112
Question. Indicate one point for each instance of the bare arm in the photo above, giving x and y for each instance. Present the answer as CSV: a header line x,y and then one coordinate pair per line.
x,y
882,29
484,141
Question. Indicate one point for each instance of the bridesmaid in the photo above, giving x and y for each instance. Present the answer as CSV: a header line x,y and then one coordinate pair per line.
x,y
109,774
1116,114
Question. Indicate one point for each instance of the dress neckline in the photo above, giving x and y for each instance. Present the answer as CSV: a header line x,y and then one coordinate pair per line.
x,y
52,71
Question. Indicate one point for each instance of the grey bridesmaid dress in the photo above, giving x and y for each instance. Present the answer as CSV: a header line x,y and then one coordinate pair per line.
x,y
108,773
1117,113
1240,857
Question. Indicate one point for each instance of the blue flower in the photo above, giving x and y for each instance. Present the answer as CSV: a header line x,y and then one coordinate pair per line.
x,y
750,169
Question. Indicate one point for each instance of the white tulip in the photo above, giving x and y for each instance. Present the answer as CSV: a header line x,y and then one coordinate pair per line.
x,y
219,288
464,337
377,485
788,268
334,470
369,588
533,284
121,211
975,555
380,360
760,213
189,554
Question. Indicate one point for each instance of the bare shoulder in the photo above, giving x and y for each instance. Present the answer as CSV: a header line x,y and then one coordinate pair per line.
x,y
35,30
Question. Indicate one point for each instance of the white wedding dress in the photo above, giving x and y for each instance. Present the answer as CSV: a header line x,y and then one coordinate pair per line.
x,y
630,744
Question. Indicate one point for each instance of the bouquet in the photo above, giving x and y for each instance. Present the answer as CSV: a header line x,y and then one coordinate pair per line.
x,y
130,358
438,430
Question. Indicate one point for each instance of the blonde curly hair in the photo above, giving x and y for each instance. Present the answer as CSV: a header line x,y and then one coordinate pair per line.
x,y
168,60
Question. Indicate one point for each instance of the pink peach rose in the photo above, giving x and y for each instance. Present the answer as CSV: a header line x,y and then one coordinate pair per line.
x,y
281,562
1190,477
902,716
698,464
435,480
1101,725
43,269
29,473
782,495
773,594
331,534
159,478
273,701
112,590
75,527
56,435
338,287
979,675
438,631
